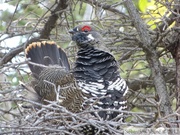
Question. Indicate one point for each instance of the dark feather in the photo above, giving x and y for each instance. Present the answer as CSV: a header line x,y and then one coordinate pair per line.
x,y
46,53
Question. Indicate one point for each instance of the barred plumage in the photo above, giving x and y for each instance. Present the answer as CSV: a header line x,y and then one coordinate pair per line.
x,y
54,71
96,71
95,79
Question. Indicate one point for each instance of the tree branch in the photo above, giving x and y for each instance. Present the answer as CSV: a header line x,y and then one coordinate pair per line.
x,y
105,7
152,58
45,33
51,23
177,57
11,54
142,83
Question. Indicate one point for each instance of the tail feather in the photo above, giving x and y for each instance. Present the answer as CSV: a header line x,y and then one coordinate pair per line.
x,y
46,53
64,59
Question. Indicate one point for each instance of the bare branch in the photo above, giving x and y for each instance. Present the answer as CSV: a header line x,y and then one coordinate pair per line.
x,y
11,54
51,23
152,58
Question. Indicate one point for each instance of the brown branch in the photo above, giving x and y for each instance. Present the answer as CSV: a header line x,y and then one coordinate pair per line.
x,y
177,57
7,29
105,7
143,83
11,54
53,118
166,23
51,23
152,58
45,33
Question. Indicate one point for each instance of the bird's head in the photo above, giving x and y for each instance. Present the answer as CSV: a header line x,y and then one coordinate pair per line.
x,y
85,35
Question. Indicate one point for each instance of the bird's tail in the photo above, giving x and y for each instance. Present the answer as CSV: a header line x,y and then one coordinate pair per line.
x,y
45,53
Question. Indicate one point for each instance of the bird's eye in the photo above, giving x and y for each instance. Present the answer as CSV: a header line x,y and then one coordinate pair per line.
x,y
86,28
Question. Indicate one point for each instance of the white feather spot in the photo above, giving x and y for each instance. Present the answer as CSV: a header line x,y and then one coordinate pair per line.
x,y
94,95
83,90
115,103
90,37
100,81
122,102
126,91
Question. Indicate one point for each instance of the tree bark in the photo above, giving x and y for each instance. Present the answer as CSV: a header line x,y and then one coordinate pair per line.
x,y
51,23
177,56
45,33
152,58
177,59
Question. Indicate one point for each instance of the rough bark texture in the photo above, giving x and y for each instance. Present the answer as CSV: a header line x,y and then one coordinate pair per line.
x,y
177,59
177,56
144,57
152,58
51,23
45,33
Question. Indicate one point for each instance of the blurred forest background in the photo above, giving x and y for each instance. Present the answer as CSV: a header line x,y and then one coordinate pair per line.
x,y
142,34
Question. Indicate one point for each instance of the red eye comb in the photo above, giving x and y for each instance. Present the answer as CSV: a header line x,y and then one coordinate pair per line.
x,y
86,28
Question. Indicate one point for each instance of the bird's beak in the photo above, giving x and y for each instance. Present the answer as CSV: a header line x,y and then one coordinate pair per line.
x,y
71,32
